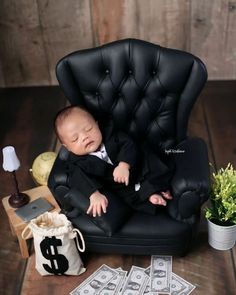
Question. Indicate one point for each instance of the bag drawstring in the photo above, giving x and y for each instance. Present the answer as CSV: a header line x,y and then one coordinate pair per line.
x,y
77,240
26,235
24,232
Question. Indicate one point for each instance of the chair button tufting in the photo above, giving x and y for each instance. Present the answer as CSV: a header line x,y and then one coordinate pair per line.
x,y
154,72
130,72
96,93
107,71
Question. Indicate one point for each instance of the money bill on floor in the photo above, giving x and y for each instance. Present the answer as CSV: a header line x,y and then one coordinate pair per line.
x,y
136,281
180,286
93,284
115,285
158,278
160,274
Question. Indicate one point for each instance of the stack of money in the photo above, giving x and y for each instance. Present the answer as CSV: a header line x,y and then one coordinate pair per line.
x,y
158,278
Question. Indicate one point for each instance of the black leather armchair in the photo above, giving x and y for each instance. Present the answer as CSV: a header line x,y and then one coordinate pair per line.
x,y
148,91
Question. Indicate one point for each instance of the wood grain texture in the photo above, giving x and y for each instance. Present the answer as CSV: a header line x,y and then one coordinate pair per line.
x,y
27,124
162,22
107,17
198,127
66,27
165,22
2,79
213,36
233,254
210,270
220,106
35,34
23,58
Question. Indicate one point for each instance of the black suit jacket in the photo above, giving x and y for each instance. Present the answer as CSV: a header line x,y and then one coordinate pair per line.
x,y
89,173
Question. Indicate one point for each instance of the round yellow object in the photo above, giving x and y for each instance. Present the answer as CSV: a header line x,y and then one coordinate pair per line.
x,y
42,167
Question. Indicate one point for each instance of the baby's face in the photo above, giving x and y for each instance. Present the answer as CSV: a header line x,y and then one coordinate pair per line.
x,y
80,134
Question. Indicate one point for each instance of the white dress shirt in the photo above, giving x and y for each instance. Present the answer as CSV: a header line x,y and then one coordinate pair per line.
x,y
102,154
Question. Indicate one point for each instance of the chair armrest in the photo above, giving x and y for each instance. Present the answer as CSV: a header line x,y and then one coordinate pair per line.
x,y
191,181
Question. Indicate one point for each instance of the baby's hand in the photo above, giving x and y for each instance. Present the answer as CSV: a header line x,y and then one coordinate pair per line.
x,y
121,173
98,203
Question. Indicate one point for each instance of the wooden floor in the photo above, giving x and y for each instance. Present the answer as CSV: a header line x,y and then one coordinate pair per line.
x,y
26,123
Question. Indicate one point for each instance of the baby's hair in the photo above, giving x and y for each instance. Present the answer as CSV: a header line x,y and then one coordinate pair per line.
x,y
63,114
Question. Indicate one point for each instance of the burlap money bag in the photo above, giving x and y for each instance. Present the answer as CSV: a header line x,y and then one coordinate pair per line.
x,y
55,242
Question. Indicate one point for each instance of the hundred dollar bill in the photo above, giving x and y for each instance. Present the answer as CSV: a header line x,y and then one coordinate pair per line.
x,y
93,284
136,281
179,286
114,286
161,270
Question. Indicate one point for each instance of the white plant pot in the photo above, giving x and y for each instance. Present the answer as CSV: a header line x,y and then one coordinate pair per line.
x,y
221,237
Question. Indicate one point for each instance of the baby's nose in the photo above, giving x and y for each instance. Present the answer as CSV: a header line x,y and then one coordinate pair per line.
x,y
84,138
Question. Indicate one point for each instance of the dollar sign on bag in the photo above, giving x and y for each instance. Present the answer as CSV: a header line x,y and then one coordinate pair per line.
x,y
59,263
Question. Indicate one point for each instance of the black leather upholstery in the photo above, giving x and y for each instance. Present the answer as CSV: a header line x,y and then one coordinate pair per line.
x,y
148,91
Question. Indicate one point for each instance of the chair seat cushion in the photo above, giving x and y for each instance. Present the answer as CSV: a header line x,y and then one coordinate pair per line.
x,y
155,233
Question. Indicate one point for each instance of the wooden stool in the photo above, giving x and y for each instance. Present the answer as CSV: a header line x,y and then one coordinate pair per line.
x,y
17,225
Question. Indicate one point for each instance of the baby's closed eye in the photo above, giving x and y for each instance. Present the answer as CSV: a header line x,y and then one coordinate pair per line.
x,y
74,139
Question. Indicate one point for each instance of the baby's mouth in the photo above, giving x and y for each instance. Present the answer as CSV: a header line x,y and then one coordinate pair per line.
x,y
88,144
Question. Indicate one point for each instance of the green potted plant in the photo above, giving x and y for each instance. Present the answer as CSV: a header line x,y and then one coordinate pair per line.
x,y
221,216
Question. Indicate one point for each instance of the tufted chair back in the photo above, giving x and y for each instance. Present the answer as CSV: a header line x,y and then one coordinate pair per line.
x,y
147,90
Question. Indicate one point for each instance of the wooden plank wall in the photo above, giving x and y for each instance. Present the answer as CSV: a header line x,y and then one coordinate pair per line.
x,y
35,34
